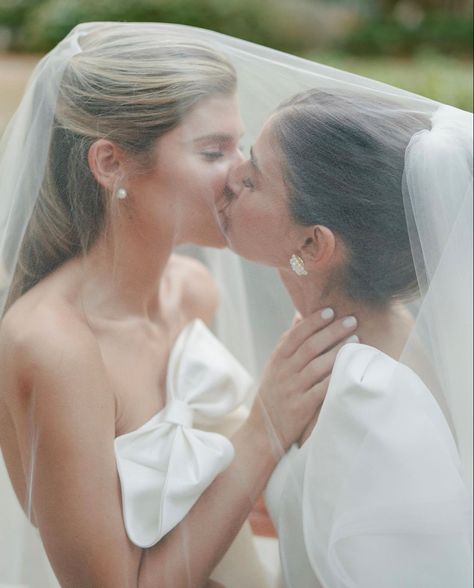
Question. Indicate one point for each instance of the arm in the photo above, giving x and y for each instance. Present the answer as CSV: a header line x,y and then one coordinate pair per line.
x,y
292,388
64,418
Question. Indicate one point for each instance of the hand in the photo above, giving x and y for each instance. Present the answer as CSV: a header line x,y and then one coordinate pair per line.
x,y
296,377
312,423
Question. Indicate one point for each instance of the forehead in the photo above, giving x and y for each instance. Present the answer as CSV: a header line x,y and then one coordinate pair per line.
x,y
213,116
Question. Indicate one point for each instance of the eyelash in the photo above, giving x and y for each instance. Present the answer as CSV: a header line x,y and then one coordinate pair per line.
x,y
212,155
247,182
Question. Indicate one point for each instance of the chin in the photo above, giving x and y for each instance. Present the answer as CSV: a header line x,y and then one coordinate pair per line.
x,y
215,244
241,252
213,239
253,255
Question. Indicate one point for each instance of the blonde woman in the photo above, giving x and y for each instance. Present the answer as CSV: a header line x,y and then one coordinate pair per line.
x,y
111,382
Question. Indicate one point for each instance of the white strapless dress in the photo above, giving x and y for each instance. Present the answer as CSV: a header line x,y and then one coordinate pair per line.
x,y
165,465
375,497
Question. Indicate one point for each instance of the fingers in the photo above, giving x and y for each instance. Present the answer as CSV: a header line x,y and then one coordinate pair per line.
x,y
302,329
296,377
321,367
326,338
314,400
317,393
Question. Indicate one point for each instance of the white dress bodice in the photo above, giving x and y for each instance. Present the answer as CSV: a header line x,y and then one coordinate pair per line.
x,y
375,497
166,464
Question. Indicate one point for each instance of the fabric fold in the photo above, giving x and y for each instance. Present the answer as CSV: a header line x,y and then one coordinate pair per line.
x,y
375,497
166,464
381,508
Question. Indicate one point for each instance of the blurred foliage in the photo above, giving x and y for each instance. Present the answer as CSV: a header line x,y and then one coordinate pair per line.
x,y
439,77
453,6
424,46
361,27
390,35
37,25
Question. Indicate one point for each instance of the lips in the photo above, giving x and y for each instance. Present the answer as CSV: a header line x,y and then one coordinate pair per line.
x,y
228,197
223,218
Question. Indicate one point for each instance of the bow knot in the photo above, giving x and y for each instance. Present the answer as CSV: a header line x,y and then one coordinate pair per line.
x,y
178,412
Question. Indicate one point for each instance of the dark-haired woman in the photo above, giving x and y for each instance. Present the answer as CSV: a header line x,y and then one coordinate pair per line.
x,y
376,496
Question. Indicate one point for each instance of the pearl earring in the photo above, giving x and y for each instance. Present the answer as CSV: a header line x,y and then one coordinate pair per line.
x,y
121,193
297,265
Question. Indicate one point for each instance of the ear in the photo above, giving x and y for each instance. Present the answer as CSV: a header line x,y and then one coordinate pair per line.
x,y
319,250
106,161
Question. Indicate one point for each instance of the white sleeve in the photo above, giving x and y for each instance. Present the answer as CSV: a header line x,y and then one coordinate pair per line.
x,y
384,504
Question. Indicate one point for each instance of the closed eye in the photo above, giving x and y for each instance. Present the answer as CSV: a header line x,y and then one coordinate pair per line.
x,y
212,155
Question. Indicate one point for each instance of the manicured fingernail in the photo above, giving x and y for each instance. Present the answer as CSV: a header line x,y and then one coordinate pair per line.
x,y
352,339
349,322
327,314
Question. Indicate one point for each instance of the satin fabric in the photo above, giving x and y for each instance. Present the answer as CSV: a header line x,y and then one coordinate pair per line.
x,y
166,464
375,497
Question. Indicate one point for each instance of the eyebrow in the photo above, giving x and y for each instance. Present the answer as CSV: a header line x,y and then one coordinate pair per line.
x,y
217,137
254,162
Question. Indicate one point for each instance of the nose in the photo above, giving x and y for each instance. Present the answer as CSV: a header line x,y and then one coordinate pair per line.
x,y
234,181
236,159
239,157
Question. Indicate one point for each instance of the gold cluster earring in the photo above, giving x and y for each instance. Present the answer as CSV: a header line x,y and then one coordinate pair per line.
x,y
297,265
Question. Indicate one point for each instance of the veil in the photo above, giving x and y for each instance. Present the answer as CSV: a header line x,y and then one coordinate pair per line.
x,y
254,307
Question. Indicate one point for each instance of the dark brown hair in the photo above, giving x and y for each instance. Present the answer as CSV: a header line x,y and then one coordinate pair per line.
x,y
343,163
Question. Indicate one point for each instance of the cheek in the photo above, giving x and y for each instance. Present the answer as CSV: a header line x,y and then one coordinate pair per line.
x,y
208,181
218,180
252,227
258,230
256,216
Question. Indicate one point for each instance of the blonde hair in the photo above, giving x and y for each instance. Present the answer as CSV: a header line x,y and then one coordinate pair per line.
x,y
131,85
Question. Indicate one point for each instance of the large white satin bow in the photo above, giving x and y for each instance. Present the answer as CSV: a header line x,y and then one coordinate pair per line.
x,y
165,465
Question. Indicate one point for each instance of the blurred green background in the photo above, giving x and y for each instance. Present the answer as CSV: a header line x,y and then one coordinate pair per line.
x,y
421,45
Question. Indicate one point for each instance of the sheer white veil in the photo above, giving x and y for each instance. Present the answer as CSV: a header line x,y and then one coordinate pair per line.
x,y
438,196
255,308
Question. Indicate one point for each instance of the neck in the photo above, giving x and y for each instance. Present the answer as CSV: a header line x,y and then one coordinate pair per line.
x,y
123,273
384,327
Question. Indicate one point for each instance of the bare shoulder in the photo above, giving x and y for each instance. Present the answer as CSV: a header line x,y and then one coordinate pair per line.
x,y
40,337
200,294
